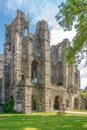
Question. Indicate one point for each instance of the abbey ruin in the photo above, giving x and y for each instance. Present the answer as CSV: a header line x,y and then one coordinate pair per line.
x,y
34,74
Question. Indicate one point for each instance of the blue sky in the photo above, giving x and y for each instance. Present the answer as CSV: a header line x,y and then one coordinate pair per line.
x,y
38,10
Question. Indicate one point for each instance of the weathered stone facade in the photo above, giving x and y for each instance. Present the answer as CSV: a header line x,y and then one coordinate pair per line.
x,y
35,75
1,82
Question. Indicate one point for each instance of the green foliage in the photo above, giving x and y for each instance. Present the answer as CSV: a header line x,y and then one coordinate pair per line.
x,y
9,106
71,14
84,94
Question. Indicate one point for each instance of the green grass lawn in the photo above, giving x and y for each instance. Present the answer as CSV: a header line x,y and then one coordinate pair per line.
x,y
43,121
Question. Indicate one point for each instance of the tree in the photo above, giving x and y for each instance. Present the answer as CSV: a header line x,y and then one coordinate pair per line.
x,y
84,94
73,13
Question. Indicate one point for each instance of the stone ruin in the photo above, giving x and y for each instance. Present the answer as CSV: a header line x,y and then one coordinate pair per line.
x,y
34,74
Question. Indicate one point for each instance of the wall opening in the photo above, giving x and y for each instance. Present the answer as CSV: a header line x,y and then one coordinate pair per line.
x,y
25,32
76,78
57,103
60,74
60,83
67,103
60,53
11,99
76,103
34,105
7,39
34,77
22,77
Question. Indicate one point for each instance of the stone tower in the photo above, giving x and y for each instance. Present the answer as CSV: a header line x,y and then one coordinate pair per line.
x,y
7,58
43,41
13,48
27,64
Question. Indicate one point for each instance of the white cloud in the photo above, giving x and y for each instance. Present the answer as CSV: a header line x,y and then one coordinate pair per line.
x,y
57,35
83,73
13,4
83,82
48,13
38,9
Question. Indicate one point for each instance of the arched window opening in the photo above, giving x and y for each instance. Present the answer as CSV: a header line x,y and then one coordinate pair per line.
x,y
72,91
22,77
57,103
26,32
7,39
11,97
67,103
34,107
11,100
60,74
60,52
76,103
34,71
76,78
60,83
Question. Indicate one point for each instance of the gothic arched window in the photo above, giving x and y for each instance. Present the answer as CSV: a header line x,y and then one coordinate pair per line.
x,y
76,78
34,71
67,103
76,103
26,32
34,103
60,52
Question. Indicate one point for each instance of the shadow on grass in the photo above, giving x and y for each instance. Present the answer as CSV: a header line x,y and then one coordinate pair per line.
x,y
43,121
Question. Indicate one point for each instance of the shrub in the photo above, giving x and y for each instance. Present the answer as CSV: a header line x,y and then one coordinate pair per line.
x,y
9,106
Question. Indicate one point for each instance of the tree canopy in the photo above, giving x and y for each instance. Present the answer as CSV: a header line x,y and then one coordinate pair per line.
x,y
73,13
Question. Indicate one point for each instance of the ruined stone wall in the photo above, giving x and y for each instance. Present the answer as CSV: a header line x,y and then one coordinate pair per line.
x,y
38,93
35,81
13,55
38,69
61,93
76,78
62,74
18,28
7,60
1,66
73,80
20,58
1,79
58,66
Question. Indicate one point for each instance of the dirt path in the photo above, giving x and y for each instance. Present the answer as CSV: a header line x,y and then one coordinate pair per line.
x,y
72,112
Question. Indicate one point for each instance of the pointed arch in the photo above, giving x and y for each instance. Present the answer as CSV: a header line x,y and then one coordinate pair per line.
x,y
76,103
58,102
11,99
67,103
34,71
60,53
34,103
